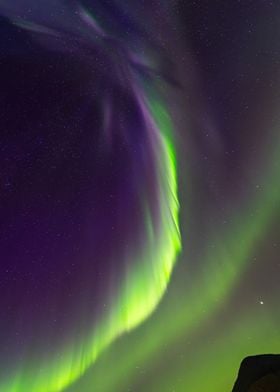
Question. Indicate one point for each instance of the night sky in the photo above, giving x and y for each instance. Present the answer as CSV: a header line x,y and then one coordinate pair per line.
x,y
139,193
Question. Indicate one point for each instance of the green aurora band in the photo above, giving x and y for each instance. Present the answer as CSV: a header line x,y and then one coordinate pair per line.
x,y
144,285
185,310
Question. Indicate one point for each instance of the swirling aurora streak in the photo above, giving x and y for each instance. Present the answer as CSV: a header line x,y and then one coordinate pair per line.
x,y
143,287
147,273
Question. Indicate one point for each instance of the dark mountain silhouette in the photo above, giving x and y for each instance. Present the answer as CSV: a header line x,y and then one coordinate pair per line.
x,y
260,373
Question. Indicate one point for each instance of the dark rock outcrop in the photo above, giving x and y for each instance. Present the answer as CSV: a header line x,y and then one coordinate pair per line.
x,y
260,373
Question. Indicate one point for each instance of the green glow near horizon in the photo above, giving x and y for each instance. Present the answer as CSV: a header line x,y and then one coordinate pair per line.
x,y
144,284
227,349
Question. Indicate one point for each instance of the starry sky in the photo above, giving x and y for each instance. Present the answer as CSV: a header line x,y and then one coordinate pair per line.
x,y
139,202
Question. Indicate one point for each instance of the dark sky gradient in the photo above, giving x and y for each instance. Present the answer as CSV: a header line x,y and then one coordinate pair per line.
x,y
69,203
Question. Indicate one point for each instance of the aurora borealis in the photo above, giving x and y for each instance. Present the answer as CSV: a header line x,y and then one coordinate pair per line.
x,y
139,195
